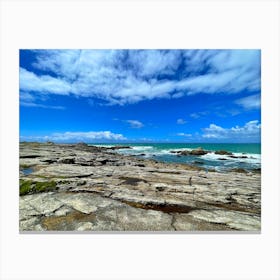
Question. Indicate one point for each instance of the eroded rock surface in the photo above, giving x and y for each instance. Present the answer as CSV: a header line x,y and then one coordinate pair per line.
x,y
97,189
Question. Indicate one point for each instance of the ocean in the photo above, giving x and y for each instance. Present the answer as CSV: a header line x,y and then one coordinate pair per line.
x,y
162,152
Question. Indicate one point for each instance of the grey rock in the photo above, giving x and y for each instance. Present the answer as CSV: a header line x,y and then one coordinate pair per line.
x,y
66,160
101,190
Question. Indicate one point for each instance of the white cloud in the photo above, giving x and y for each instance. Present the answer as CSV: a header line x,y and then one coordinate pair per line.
x,y
250,102
26,97
78,136
29,100
181,121
37,105
29,81
135,123
130,76
250,131
198,115
195,115
184,134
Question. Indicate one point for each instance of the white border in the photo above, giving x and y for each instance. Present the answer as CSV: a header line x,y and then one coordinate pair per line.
x,y
131,24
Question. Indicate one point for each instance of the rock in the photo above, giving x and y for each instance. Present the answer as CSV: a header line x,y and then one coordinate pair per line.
x,y
102,160
232,220
119,147
222,152
83,162
66,160
49,161
196,152
239,170
81,183
160,189
198,162
106,191
140,165
81,144
85,226
184,153
29,156
257,170
231,156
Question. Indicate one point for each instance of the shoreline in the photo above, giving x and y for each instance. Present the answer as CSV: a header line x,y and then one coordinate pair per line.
x,y
78,187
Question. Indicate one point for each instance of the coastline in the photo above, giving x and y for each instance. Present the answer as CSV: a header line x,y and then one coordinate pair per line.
x,y
234,156
77,187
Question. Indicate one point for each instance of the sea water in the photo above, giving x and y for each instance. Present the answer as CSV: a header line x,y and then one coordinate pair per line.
x,y
163,152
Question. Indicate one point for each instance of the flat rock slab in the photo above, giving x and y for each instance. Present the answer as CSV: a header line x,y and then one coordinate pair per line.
x,y
101,190
83,211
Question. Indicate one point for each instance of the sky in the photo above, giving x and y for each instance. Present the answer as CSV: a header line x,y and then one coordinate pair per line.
x,y
104,96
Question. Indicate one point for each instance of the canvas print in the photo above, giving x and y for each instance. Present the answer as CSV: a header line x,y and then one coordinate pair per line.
x,y
140,140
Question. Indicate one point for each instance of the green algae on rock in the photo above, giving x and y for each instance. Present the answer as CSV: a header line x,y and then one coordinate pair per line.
x,y
30,187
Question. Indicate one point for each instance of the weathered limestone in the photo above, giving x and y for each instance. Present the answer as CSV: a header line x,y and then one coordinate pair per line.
x,y
100,190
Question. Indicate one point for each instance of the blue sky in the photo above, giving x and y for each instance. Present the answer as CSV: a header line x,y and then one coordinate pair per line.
x,y
140,95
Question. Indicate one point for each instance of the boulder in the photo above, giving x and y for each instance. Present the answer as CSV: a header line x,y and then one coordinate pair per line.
x,y
184,153
196,152
231,156
222,152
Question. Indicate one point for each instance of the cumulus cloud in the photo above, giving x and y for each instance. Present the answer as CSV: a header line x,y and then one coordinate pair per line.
x,y
250,131
135,123
250,102
78,136
130,76
181,121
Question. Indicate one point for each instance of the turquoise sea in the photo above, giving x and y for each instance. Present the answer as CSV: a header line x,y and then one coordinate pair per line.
x,y
162,152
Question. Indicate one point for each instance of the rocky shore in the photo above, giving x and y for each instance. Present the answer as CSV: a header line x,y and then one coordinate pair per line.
x,y
78,187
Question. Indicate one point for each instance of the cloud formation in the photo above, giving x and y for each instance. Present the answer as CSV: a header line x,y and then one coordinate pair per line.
x,y
130,76
29,100
181,121
78,136
184,134
250,131
250,102
135,123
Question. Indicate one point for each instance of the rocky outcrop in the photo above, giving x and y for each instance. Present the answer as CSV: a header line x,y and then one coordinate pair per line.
x,y
99,190
231,156
118,147
195,152
222,152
